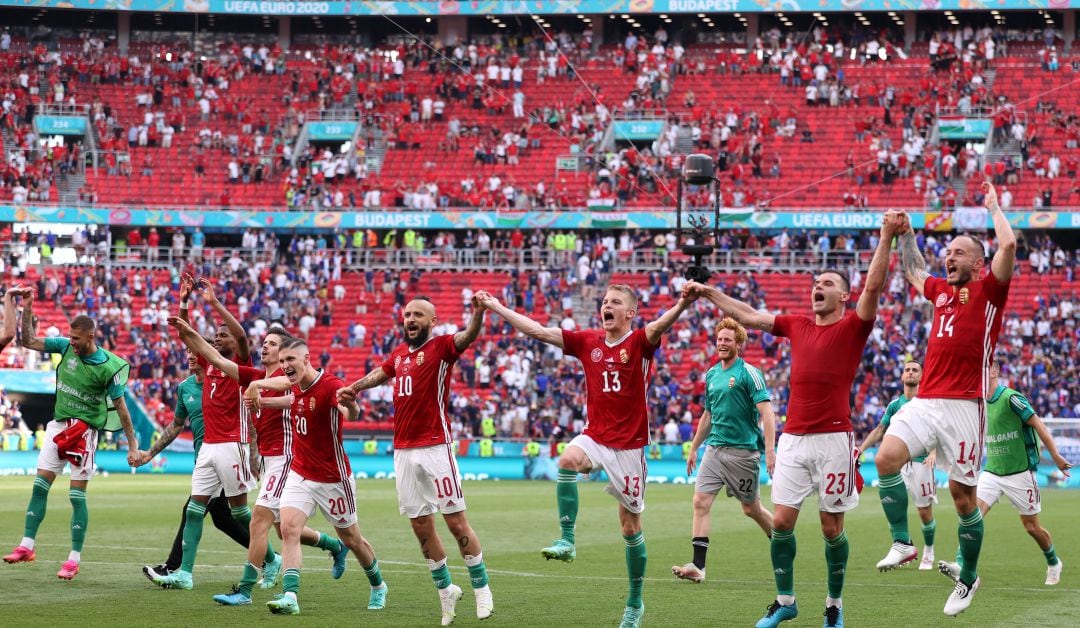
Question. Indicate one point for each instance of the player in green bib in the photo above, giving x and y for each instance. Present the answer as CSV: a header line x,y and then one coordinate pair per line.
x,y
189,410
735,398
90,382
917,475
1012,455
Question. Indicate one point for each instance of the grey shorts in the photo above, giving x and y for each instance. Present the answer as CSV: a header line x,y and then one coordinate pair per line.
x,y
737,469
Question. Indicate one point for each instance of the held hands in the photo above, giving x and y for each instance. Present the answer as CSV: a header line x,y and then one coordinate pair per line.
x,y
136,458
894,223
252,399
25,292
692,291
346,396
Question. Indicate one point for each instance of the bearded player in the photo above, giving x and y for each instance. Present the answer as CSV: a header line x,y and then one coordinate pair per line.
x,y
949,413
617,361
425,470
320,476
816,451
273,434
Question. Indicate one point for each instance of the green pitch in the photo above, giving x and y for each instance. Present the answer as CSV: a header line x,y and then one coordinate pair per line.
x,y
132,522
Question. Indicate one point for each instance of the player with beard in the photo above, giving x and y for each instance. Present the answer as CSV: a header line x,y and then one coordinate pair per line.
x,y
736,398
425,469
949,413
273,435
189,410
617,361
320,476
816,451
223,460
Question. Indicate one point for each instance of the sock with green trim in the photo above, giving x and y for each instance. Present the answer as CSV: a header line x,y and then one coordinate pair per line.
x,y
242,514
80,518
290,581
35,511
566,493
193,525
928,530
440,573
971,537
374,576
1051,555
248,580
328,543
477,570
782,550
894,501
836,557
270,553
636,557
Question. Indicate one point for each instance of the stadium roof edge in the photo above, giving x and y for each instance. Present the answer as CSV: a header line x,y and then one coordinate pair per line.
x,y
516,7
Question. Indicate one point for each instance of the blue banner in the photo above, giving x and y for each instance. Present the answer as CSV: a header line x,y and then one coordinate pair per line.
x,y
808,218
331,131
963,128
518,7
28,382
60,125
638,129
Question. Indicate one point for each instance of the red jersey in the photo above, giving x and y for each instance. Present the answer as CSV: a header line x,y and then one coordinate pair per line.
x,y
616,380
272,429
422,375
318,454
967,321
225,416
824,359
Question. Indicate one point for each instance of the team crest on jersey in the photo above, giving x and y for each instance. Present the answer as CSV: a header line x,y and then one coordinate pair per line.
x,y
941,300
731,382
420,359
397,362
624,357
596,355
964,294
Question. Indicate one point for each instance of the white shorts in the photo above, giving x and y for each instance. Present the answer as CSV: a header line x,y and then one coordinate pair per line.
x,y
625,468
821,463
222,466
919,479
49,457
274,470
427,481
336,500
1022,489
955,427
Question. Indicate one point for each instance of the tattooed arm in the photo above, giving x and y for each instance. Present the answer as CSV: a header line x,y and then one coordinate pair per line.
x,y
912,259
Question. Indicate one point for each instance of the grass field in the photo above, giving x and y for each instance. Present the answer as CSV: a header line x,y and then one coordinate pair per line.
x,y
132,522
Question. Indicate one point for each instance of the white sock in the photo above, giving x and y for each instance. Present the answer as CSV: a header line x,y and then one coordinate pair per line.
x,y
472,561
75,556
291,594
834,601
27,542
785,600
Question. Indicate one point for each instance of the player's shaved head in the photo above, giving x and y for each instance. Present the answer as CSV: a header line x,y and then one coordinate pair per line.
x,y
973,245
417,320
424,304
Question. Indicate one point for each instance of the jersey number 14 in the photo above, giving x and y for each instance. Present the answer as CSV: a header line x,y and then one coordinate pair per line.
x,y
945,325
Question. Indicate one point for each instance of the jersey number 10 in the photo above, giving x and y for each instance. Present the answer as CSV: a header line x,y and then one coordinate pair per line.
x,y
405,386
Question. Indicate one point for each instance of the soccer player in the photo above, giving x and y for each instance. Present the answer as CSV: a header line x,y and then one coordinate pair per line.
x,y
735,398
1012,456
320,475
274,437
222,464
816,451
949,412
8,333
425,469
88,380
189,409
918,474
617,362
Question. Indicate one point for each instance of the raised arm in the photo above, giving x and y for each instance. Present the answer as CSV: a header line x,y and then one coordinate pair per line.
x,y
463,339
199,346
911,259
657,328
520,322
8,333
187,286
243,350
1004,262
29,339
734,308
867,306
1044,435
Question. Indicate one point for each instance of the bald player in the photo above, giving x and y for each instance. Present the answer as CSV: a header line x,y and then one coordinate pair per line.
x,y
425,469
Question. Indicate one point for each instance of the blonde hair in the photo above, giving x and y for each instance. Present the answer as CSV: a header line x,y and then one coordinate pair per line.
x,y
630,293
733,325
